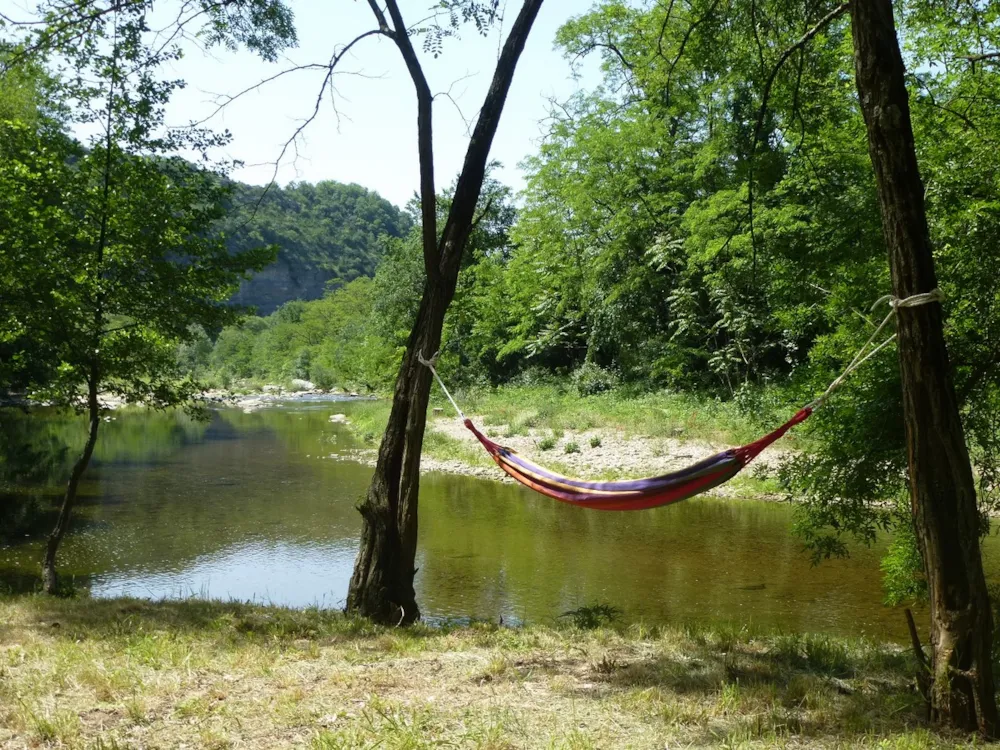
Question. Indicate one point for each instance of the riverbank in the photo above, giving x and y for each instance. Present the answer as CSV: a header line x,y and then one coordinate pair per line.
x,y
605,436
127,674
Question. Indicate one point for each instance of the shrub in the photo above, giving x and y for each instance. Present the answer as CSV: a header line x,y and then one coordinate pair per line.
x,y
323,376
595,442
572,447
593,616
547,443
300,369
590,379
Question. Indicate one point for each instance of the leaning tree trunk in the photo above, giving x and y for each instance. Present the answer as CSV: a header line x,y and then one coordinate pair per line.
x,y
50,581
941,481
382,584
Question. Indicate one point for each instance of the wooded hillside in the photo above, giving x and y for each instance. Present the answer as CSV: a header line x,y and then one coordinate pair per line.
x,y
326,234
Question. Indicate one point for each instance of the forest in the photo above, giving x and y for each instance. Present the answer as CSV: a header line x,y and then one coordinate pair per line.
x,y
757,199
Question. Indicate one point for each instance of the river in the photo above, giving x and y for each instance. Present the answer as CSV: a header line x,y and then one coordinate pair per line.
x,y
252,506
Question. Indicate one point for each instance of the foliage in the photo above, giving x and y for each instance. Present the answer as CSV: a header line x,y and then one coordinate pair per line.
x,y
331,341
593,616
327,235
591,379
902,567
352,337
114,250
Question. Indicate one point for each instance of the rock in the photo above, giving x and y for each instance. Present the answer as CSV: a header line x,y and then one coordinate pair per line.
x,y
354,394
339,419
271,389
438,410
302,385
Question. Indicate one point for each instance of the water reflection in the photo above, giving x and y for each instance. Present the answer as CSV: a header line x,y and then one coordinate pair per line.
x,y
250,506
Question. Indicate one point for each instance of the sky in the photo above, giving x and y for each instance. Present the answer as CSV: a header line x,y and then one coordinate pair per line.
x,y
367,134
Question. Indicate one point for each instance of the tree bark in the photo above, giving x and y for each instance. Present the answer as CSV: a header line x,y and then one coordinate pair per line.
x,y
50,580
942,488
382,583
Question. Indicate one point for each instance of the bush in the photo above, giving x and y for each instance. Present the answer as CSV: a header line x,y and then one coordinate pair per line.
x,y
590,379
593,616
534,376
300,369
572,447
595,442
547,443
323,376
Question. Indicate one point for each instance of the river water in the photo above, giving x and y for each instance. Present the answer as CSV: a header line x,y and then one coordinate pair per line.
x,y
251,506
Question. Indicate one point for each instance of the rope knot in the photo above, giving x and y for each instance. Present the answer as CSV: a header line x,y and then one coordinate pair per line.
x,y
427,362
869,350
934,295
914,300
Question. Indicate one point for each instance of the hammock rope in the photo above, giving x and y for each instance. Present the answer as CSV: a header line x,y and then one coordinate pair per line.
x,y
641,494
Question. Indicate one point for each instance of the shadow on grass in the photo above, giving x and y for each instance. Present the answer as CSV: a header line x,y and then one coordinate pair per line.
x,y
712,686
83,618
732,690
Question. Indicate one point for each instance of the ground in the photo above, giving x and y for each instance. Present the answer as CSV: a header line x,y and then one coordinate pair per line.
x,y
84,673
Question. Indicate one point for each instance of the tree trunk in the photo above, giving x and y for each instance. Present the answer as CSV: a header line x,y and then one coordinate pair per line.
x,y
941,481
382,584
50,581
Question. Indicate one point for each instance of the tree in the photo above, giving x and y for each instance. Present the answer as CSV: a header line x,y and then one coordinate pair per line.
x,y
942,487
382,583
114,250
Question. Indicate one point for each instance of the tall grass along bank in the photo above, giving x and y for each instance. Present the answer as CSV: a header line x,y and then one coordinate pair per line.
x,y
120,673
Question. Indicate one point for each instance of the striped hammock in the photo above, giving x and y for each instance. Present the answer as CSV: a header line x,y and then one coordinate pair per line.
x,y
640,494
632,494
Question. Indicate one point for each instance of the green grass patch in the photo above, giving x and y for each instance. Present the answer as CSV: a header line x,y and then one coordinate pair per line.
x,y
84,673
654,415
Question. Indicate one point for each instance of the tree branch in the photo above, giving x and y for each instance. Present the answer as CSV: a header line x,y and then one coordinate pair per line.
x,y
984,57
425,133
292,141
663,29
470,182
765,98
684,41
804,40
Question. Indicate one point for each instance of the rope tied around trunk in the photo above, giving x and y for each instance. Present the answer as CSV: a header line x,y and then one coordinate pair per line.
x,y
864,353
429,364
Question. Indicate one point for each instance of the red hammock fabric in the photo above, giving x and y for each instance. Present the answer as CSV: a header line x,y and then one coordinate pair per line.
x,y
633,494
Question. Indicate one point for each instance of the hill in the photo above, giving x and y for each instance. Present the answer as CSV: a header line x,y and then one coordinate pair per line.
x,y
327,232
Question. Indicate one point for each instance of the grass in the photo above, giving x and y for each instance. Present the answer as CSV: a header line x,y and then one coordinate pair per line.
x,y
82,673
653,415
547,443
557,409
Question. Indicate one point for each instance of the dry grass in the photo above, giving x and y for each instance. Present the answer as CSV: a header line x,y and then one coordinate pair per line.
x,y
131,674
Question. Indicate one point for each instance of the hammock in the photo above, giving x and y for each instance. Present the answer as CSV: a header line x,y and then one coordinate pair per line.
x,y
632,494
640,494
